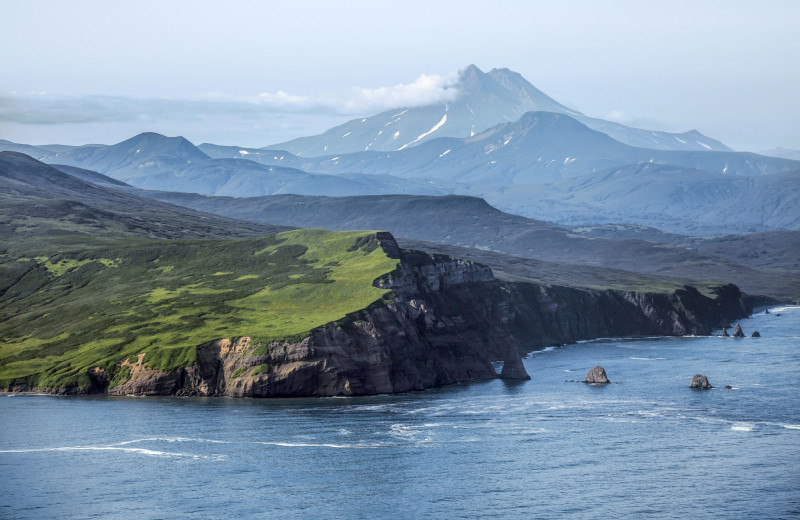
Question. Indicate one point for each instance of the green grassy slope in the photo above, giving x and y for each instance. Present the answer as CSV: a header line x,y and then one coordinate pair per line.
x,y
64,313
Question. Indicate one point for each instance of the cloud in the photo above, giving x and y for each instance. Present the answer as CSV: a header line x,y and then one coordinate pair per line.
x,y
618,116
425,90
49,109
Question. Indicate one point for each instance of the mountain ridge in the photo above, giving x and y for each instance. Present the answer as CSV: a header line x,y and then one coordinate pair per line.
x,y
485,99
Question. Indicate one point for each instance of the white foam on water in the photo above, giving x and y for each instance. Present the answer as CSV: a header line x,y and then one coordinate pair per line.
x,y
320,445
139,451
648,358
791,426
742,427
170,439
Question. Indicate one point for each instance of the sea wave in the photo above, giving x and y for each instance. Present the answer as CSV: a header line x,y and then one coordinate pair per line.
x,y
139,451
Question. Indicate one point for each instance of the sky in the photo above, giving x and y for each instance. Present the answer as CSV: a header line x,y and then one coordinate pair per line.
x,y
254,73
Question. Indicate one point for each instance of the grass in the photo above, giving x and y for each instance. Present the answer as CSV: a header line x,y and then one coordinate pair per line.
x,y
63,313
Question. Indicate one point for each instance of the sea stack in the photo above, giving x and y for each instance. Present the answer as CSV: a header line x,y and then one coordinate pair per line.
x,y
513,367
700,381
597,375
755,334
738,332
725,332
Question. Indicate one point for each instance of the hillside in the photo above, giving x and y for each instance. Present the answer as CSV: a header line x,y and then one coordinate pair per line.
x,y
40,205
472,223
70,312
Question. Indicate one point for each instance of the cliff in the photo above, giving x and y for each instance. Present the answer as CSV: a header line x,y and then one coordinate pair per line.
x,y
444,321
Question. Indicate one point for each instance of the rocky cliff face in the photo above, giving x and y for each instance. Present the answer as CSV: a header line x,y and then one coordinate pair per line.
x,y
445,320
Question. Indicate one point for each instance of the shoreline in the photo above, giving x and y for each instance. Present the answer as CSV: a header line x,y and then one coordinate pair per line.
x,y
549,348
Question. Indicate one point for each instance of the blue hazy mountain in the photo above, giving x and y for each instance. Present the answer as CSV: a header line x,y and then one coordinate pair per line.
x,y
666,197
485,100
153,161
540,146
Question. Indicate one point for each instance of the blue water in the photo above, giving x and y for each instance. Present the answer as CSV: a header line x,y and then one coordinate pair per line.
x,y
647,447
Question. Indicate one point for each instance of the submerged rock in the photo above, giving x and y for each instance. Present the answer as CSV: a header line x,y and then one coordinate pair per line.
x,y
597,375
725,332
513,367
728,387
755,334
738,332
700,381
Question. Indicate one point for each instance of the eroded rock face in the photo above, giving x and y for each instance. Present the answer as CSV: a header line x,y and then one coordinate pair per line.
x,y
513,368
700,381
738,332
597,375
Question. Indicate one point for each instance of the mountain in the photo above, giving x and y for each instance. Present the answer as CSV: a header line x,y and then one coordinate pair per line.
x,y
153,161
540,146
670,198
484,100
40,204
472,223
37,152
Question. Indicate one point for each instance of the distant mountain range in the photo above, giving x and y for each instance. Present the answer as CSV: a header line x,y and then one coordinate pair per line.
x,y
485,100
551,163
540,146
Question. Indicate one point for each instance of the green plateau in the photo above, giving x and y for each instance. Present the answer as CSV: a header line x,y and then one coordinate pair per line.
x,y
64,313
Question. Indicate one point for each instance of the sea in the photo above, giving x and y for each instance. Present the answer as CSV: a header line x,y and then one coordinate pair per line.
x,y
644,446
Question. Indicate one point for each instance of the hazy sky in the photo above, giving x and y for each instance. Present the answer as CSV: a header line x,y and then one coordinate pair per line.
x,y
254,73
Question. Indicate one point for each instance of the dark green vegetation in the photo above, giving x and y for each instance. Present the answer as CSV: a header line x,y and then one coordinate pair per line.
x,y
87,279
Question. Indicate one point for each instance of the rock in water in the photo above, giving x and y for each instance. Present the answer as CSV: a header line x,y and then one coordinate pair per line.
x,y
700,381
756,334
737,331
725,332
596,375
513,367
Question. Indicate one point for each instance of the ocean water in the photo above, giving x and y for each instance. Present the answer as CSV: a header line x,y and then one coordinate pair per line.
x,y
646,446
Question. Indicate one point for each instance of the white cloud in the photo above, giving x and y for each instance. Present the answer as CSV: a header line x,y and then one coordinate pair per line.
x,y
40,108
425,90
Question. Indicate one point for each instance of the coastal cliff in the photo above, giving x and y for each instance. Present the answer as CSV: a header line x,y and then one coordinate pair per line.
x,y
444,321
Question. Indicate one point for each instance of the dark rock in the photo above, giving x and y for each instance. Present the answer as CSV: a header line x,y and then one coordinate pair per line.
x,y
728,387
756,334
738,332
597,375
725,333
700,381
766,311
512,366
